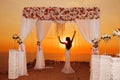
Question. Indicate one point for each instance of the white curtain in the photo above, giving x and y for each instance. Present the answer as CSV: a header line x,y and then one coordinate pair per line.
x,y
90,29
26,27
42,28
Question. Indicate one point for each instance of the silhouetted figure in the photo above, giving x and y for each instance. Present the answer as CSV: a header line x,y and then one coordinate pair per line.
x,y
68,44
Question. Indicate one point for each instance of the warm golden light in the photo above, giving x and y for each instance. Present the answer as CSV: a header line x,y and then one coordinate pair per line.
x,y
62,45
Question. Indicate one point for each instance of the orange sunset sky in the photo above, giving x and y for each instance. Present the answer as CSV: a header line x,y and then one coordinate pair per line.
x,y
11,15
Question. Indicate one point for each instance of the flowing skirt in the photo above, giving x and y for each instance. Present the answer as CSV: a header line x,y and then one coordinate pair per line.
x,y
67,67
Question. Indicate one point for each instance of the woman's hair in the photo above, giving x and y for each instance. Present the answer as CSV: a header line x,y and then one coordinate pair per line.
x,y
67,38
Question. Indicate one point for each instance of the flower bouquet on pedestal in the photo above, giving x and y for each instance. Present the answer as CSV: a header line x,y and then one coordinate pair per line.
x,y
95,46
15,37
117,33
19,41
106,38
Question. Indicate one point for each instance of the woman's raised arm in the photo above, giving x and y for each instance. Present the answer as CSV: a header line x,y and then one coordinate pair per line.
x,y
60,40
73,36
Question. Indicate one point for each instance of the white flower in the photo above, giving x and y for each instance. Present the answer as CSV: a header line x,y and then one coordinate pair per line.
x,y
19,41
116,32
38,43
95,43
15,36
106,37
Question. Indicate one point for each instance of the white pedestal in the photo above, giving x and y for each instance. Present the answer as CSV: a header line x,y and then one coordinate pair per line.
x,y
17,64
12,64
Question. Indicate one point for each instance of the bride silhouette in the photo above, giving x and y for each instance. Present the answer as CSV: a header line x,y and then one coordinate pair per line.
x,y
68,44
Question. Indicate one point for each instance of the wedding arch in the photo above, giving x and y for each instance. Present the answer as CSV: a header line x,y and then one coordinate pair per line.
x,y
87,20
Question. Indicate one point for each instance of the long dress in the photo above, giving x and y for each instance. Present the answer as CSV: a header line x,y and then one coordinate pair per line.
x,y
67,67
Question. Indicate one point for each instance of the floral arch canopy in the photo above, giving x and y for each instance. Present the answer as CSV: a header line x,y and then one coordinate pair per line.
x,y
62,14
87,20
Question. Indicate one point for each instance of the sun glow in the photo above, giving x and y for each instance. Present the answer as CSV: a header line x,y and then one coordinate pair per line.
x,y
62,45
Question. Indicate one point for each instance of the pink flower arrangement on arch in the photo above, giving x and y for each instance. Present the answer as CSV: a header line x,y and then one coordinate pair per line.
x,y
58,13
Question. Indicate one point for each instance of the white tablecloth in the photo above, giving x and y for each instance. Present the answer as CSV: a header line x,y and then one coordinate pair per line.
x,y
12,68
116,69
105,67
17,64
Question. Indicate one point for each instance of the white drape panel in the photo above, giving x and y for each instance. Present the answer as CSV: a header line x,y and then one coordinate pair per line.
x,y
89,28
42,28
26,27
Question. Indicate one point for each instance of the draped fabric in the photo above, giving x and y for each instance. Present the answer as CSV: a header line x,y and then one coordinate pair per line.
x,y
90,30
42,28
26,27
60,28
22,68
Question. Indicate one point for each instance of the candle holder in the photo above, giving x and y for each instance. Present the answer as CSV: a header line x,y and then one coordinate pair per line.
x,y
105,38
